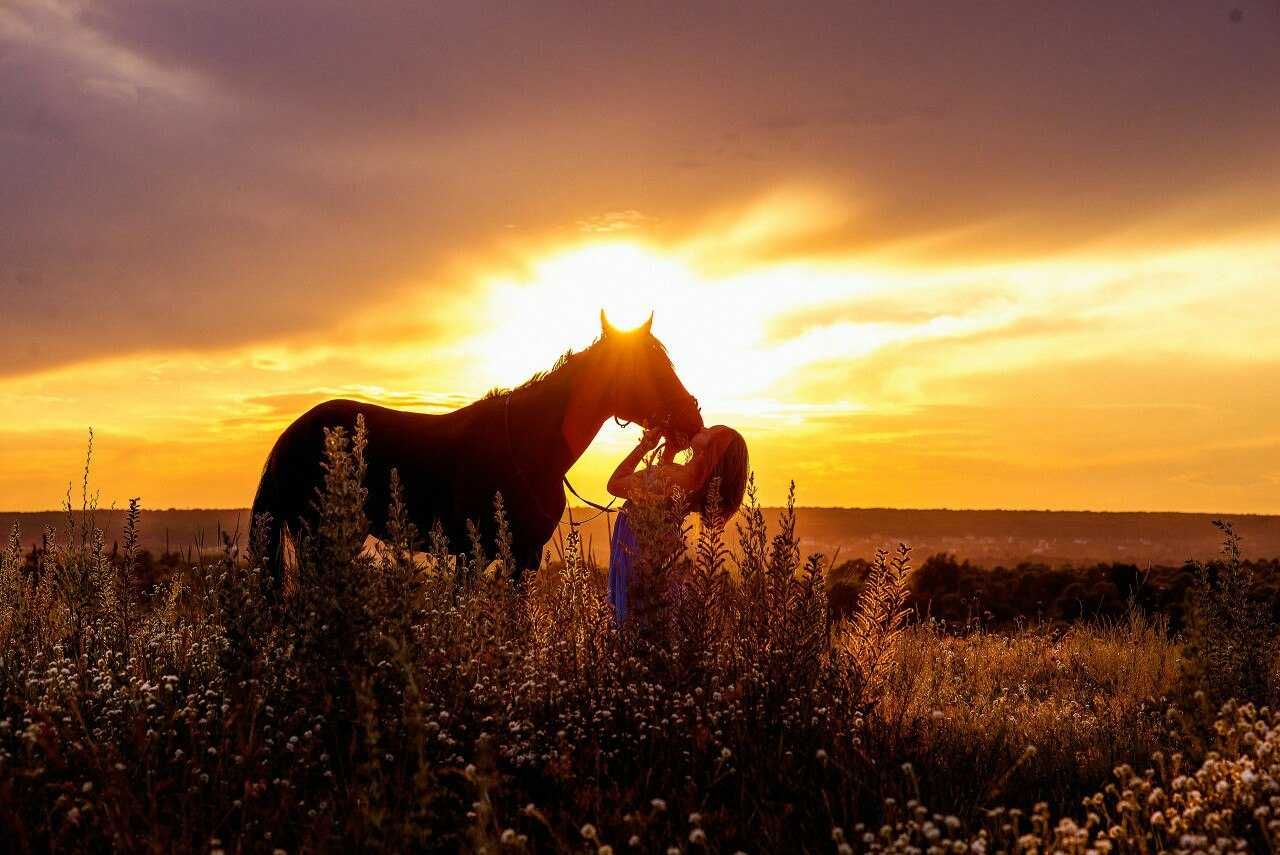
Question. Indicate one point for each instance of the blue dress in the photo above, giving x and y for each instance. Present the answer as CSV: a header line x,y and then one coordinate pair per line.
x,y
622,549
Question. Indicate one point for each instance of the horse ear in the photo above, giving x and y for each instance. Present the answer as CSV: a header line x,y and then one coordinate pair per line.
x,y
606,328
647,325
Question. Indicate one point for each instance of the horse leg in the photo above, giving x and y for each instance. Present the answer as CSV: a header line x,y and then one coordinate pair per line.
x,y
528,557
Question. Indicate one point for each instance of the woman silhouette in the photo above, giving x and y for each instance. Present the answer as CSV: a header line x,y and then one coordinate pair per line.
x,y
719,452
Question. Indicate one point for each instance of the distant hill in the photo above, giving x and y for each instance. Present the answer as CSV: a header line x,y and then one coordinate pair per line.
x,y
984,537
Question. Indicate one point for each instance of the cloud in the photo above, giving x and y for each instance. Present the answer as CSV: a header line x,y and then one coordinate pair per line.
x,y
214,172
218,212
614,221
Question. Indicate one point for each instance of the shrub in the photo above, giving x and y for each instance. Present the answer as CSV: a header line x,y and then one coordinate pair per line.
x,y
1230,639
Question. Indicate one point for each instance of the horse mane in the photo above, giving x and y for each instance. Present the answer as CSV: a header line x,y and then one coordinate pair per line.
x,y
559,366
538,377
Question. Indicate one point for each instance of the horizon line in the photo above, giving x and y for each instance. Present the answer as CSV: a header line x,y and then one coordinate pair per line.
x,y
1223,514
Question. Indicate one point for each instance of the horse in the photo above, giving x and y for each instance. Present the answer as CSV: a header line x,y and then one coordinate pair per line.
x,y
518,442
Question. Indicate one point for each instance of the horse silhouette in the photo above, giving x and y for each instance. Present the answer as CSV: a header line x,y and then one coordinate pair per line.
x,y
519,443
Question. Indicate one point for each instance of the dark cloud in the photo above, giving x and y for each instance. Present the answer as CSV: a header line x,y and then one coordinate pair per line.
x,y
202,173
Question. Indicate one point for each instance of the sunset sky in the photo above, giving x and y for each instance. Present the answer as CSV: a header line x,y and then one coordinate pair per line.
x,y
922,254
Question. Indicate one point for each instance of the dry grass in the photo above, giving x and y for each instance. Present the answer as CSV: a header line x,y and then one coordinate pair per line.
x,y
387,706
994,717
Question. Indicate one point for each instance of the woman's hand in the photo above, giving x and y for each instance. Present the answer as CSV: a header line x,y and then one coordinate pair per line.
x,y
652,436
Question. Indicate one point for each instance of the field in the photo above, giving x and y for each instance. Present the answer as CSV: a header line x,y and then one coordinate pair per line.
x,y
986,538
375,704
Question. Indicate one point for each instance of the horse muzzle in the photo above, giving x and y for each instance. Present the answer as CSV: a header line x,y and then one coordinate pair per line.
x,y
687,420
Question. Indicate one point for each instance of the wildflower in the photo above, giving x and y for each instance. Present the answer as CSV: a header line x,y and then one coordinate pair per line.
x,y
588,831
698,837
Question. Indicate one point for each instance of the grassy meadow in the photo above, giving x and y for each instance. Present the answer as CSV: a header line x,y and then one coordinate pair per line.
x,y
389,703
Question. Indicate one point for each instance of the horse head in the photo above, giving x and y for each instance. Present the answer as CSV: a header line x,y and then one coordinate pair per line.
x,y
645,388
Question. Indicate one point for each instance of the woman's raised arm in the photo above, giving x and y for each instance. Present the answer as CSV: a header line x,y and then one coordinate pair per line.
x,y
622,483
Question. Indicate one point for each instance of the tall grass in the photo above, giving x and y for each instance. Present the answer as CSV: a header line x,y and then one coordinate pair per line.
x,y
414,699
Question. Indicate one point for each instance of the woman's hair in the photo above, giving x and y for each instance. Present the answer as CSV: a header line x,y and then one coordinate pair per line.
x,y
725,459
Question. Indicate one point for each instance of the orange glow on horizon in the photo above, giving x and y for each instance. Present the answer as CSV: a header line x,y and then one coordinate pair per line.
x,y
872,381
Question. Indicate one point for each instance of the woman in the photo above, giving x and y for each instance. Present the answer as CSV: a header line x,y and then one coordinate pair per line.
x,y
719,452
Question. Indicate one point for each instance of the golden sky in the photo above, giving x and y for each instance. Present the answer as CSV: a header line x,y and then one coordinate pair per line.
x,y
920,254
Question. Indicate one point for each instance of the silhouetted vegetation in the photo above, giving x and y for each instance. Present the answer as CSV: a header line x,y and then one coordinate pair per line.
x,y
960,595
414,699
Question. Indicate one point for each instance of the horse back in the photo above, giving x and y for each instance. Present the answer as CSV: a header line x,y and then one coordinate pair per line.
x,y
440,458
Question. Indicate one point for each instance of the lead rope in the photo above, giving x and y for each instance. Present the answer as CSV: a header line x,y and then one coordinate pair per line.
x,y
600,509
603,509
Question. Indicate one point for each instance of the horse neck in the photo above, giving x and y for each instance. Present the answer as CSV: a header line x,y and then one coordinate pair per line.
x,y
563,413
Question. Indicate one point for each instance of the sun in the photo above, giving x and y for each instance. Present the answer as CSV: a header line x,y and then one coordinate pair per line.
x,y
558,306
719,326
628,281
